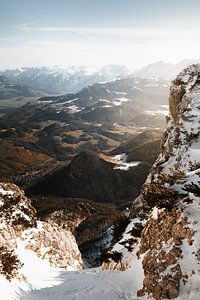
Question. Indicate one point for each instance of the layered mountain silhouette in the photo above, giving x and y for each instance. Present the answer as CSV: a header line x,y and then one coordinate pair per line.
x,y
9,89
58,80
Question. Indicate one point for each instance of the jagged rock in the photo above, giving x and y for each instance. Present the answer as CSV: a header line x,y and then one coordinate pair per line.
x,y
55,244
161,242
19,226
15,208
168,206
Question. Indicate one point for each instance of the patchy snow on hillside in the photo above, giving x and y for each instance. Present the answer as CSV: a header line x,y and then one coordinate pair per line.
x,y
121,162
157,112
104,100
74,109
120,101
106,106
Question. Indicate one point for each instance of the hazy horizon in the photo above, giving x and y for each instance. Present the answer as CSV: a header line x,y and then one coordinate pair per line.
x,y
85,32
98,67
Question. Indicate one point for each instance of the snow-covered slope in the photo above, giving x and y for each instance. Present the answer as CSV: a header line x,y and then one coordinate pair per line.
x,y
31,251
89,285
165,230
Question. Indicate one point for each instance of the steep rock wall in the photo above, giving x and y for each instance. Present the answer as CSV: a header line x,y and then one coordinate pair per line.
x,y
165,230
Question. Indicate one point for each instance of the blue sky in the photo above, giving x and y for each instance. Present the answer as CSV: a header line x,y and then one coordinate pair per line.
x,y
78,32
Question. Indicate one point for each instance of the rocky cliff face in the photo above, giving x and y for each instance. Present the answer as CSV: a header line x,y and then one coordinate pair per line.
x,y
21,232
164,234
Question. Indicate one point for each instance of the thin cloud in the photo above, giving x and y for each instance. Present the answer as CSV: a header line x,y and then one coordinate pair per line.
x,y
115,31
25,26
132,46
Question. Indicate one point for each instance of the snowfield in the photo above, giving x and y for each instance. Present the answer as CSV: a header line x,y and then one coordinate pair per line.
x,y
88,285
84,285
46,282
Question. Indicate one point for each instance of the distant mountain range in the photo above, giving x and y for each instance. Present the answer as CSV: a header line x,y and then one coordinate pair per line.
x,y
98,118
59,80
165,71
114,101
10,89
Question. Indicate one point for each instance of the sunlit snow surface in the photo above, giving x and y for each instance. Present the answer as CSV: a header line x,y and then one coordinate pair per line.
x,y
163,110
91,284
46,282
49,283
39,274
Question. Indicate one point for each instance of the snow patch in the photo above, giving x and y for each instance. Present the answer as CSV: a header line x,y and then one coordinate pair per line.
x,y
121,162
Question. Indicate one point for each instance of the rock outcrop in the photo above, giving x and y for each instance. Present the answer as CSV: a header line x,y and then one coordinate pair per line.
x,y
20,231
165,231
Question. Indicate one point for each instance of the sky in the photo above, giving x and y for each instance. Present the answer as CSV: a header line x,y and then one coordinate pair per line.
x,y
98,32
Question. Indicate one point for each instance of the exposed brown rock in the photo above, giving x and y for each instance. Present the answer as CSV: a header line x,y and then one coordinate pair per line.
x,y
119,266
15,208
47,239
160,242
56,244
198,254
176,94
156,194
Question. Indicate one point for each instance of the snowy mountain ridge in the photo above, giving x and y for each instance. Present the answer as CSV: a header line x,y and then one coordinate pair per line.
x,y
164,233
60,80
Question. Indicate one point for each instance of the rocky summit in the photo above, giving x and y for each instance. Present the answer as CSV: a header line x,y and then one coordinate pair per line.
x,y
163,237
